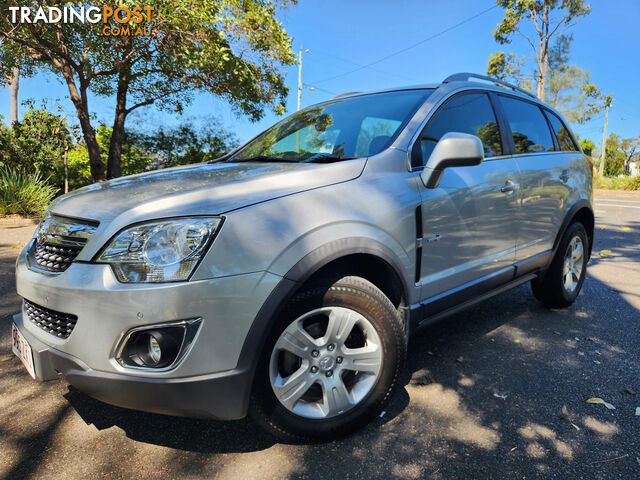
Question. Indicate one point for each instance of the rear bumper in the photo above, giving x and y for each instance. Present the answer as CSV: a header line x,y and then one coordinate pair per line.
x,y
222,396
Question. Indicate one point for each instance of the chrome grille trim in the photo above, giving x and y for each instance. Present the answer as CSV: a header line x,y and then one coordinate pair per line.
x,y
58,241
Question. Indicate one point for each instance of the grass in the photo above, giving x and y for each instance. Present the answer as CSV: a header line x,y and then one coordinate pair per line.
x,y
24,193
616,183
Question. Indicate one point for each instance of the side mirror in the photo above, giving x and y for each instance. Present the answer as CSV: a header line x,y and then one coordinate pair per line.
x,y
454,149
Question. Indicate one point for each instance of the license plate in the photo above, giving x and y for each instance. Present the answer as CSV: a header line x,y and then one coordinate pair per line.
x,y
22,350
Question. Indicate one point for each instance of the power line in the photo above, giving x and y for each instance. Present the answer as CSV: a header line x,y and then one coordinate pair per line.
x,y
442,32
397,75
320,89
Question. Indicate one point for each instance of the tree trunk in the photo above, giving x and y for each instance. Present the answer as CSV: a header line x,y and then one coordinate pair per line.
x,y
114,162
14,86
543,53
80,101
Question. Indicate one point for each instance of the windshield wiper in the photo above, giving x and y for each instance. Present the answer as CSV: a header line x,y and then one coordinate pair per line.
x,y
265,158
325,158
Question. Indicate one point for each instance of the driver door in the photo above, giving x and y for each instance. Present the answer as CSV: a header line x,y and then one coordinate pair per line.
x,y
469,222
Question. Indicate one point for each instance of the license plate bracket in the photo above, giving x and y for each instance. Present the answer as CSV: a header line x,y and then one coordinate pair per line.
x,y
22,350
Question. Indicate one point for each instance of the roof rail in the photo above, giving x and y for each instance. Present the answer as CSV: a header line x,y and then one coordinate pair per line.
x,y
345,94
465,76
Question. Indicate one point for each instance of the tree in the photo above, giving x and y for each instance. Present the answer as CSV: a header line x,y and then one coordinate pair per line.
x,y
587,146
38,142
186,143
539,15
631,149
568,87
508,67
233,49
615,157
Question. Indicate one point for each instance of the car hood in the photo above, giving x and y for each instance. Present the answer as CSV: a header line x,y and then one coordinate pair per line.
x,y
202,189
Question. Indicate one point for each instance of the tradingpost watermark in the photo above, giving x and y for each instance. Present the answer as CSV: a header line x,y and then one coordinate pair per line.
x,y
116,20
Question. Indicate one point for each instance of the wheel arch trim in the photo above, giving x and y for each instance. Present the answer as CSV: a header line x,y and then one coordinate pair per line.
x,y
293,280
579,206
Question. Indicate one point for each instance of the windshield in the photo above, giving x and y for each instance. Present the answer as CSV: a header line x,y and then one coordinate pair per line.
x,y
340,129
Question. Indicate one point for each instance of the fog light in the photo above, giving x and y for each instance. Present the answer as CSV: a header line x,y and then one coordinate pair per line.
x,y
155,353
159,346
156,348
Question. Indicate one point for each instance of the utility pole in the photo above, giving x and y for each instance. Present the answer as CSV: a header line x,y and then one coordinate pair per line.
x,y
603,154
299,78
300,52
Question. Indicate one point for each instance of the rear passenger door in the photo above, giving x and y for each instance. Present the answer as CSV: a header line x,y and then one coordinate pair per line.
x,y
545,175
469,221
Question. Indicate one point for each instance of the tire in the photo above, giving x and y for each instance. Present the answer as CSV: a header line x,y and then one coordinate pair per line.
x,y
555,290
322,392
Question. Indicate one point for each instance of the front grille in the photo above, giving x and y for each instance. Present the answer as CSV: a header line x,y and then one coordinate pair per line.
x,y
56,323
54,258
58,242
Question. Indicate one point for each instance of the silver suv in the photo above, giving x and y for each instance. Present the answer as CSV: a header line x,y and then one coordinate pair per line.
x,y
283,280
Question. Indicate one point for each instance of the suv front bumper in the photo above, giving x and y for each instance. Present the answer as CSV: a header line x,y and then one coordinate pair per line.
x,y
221,396
211,381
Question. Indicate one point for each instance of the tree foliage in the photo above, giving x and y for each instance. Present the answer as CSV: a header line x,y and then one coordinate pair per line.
x,y
544,19
568,88
619,153
587,146
38,142
630,147
509,67
233,49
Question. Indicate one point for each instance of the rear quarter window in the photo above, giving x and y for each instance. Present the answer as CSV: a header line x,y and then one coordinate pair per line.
x,y
565,142
529,127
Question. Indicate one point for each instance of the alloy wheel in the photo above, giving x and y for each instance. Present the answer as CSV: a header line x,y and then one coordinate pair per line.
x,y
573,264
325,362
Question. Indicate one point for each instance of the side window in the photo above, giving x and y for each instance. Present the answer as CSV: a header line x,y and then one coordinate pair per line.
x,y
528,126
562,133
467,113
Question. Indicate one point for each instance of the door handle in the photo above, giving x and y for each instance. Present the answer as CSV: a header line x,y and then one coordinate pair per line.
x,y
510,187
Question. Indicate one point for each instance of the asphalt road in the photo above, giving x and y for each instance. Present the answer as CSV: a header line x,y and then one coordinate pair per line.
x,y
482,397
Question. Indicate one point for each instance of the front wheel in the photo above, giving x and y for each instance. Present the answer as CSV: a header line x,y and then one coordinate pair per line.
x,y
331,362
562,283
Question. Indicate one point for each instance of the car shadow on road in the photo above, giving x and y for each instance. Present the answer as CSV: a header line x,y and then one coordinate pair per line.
x,y
194,435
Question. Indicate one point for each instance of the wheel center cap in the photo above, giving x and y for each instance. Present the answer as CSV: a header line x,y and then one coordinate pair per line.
x,y
327,362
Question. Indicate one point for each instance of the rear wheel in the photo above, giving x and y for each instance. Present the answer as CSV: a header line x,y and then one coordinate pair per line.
x,y
562,282
331,363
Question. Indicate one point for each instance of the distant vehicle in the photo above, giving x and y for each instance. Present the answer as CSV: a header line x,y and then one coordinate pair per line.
x,y
284,279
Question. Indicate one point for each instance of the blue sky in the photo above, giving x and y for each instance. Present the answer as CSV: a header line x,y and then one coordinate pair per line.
x,y
341,35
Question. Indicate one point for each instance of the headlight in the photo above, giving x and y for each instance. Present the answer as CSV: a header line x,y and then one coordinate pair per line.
x,y
160,251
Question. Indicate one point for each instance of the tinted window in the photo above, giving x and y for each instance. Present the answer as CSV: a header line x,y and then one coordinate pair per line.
x,y
562,133
528,126
470,113
341,128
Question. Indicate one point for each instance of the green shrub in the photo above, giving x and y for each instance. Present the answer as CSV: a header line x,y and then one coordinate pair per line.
x,y
632,183
616,183
24,193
